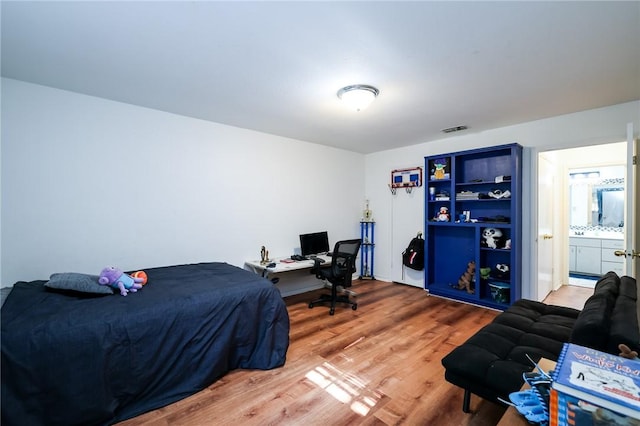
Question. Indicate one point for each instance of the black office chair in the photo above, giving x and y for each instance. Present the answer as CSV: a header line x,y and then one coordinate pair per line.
x,y
343,265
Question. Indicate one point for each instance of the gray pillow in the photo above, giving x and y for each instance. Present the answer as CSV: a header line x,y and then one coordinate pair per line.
x,y
4,292
83,283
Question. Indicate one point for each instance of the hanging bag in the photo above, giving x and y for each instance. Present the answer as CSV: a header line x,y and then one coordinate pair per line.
x,y
413,256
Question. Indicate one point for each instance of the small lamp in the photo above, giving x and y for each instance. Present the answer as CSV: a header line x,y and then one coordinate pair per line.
x,y
358,96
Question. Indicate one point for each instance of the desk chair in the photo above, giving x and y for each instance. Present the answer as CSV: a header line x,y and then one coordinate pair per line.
x,y
343,265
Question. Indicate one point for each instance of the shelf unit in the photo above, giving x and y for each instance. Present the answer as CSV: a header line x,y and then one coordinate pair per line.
x,y
456,178
367,229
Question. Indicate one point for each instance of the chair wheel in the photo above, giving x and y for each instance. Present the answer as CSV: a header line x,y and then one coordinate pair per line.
x,y
310,305
355,306
332,311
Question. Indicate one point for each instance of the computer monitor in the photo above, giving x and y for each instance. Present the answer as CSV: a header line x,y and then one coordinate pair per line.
x,y
315,243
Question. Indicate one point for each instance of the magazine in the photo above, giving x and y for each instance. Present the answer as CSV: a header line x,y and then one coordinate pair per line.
x,y
598,378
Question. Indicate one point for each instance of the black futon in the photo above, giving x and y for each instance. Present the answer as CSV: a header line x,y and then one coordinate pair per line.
x,y
491,362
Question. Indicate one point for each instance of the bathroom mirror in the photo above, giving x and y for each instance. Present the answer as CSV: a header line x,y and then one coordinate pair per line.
x,y
610,207
596,201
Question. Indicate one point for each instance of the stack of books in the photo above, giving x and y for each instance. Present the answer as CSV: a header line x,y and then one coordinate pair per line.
x,y
467,195
590,387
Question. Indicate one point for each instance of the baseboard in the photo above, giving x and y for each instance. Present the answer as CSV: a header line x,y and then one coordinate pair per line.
x,y
584,276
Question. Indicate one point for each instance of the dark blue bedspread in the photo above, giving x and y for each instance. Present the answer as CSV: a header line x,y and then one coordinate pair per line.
x,y
79,360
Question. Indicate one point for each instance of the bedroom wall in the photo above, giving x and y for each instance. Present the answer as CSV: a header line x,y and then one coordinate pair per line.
x,y
88,182
399,217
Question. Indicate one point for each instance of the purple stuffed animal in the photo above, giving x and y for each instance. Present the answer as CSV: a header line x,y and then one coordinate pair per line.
x,y
115,278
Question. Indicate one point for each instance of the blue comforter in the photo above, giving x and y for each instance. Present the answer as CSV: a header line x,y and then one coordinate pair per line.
x,y
70,359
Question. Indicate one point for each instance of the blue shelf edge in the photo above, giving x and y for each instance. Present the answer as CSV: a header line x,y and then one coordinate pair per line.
x,y
463,296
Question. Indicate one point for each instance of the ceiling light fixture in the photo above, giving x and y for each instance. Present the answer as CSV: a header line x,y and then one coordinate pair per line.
x,y
358,96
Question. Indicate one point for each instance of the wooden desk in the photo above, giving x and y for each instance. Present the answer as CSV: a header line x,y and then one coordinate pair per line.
x,y
511,417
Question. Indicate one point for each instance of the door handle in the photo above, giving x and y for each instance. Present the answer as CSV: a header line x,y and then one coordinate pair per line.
x,y
547,236
634,254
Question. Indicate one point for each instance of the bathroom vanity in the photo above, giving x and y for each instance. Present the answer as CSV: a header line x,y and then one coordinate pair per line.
x,y
595,256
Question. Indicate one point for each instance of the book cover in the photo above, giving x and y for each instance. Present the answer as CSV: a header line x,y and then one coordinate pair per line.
x,y
598,378
566,410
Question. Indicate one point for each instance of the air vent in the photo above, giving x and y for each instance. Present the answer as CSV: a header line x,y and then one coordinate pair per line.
x,y
454,129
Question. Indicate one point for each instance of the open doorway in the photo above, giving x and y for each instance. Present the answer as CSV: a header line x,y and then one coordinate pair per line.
x,y
596,220
577,237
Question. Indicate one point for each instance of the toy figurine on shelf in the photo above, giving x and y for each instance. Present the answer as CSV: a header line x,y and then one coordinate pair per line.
x,y
443,215
264,256
367,214
439,169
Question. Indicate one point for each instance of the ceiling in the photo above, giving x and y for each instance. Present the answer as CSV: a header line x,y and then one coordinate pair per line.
x,y
276,67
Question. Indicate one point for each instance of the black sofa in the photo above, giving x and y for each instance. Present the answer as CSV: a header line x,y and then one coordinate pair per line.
x,y
491,362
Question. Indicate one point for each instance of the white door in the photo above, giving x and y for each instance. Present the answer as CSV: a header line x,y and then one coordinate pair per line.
x,y
632,226
546,174
636,215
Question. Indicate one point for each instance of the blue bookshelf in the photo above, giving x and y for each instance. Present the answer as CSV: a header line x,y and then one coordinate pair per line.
x,y
366,249
481,191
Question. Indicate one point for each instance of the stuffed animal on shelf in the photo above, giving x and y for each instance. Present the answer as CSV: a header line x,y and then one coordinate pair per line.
x,y
115,278
439,169
466,281
502,271
443,215
492,238
485,273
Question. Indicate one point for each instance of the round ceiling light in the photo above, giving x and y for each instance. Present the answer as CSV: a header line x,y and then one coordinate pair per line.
x,y
358,96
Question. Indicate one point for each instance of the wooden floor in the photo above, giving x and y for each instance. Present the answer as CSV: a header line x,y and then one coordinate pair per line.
x,y
568,295
378,365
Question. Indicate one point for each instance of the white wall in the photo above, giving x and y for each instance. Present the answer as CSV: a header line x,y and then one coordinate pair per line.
x,y
603,125
88,182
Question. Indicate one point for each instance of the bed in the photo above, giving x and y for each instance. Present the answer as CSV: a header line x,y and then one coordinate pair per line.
x,y
71,358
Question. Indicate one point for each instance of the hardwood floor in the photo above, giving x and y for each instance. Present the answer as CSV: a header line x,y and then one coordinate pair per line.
x,y
379,365
569,295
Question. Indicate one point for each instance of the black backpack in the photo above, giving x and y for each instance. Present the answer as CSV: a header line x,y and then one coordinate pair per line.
x,y
413,256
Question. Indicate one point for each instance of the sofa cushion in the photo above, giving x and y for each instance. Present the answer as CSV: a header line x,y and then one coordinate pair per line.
x,y
608,284
624,319
628,288
592,326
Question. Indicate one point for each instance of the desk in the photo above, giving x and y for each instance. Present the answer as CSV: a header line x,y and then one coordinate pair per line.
x,y
261,269
511,417
294,277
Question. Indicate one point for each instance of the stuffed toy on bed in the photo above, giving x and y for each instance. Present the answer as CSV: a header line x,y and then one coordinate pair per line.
x,y
142,275
115,278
